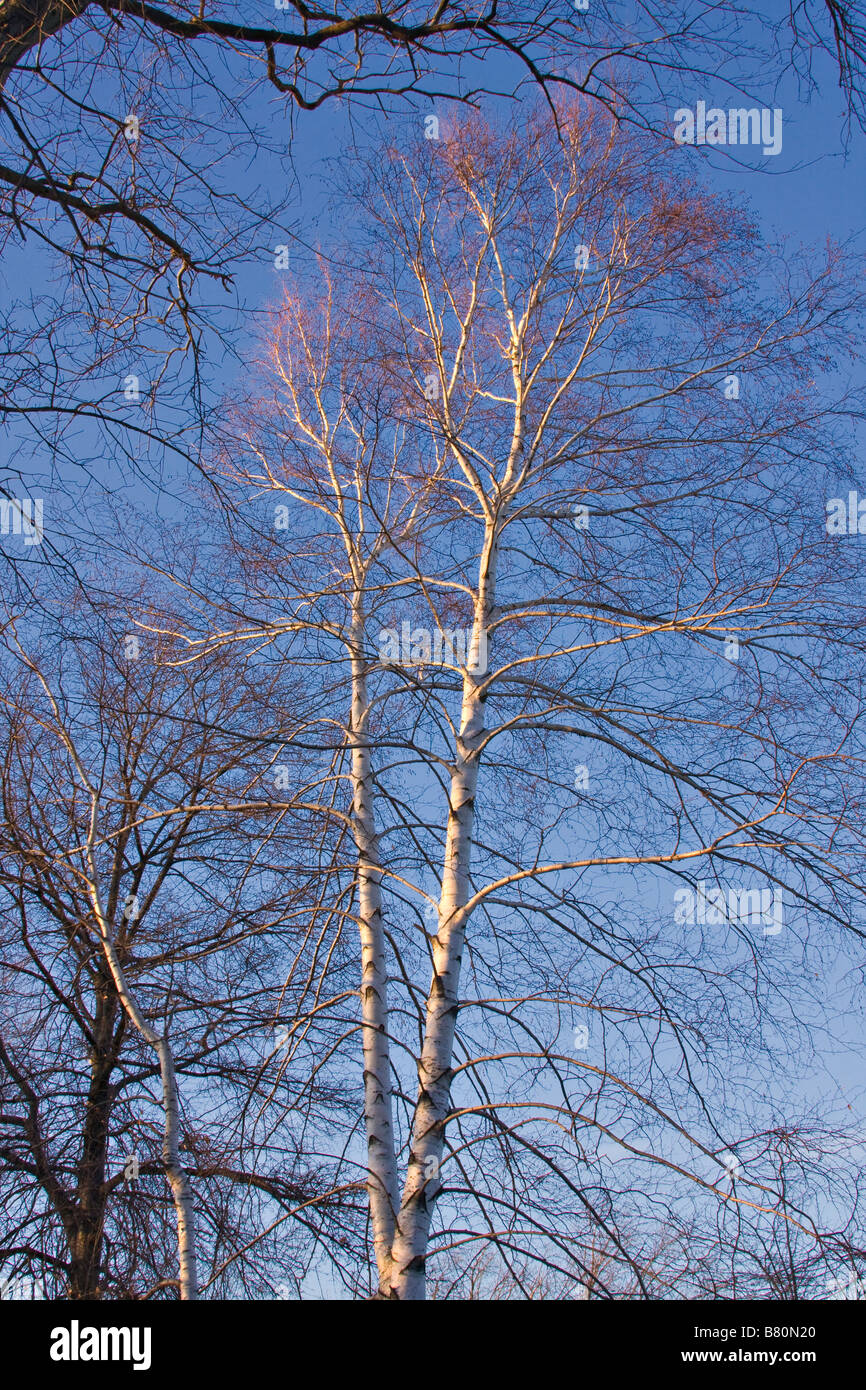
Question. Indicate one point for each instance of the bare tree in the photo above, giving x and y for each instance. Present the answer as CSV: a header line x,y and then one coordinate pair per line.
x,y
128,127
502,750
601,485
156,927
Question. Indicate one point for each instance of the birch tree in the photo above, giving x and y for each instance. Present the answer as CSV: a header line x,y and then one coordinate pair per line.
x,y
621,444
129,127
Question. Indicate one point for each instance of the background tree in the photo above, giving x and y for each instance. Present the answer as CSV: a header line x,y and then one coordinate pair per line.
x,y
158,927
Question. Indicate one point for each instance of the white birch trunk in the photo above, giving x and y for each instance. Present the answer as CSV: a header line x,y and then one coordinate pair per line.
x,y
382,1184
434,1069
177,1178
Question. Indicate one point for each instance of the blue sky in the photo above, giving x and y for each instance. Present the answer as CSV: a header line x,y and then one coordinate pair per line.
x,y
813,190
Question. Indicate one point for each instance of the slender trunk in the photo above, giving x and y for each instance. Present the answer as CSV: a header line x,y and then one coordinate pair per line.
x,y
435,1065
177,1178
381,1157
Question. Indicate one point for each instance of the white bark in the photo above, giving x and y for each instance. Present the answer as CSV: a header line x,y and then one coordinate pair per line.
x,y
434,1068
177,1178
382,1181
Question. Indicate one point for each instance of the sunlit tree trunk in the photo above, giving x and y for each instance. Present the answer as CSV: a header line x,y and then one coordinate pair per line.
x,y
435,1063
381,1158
